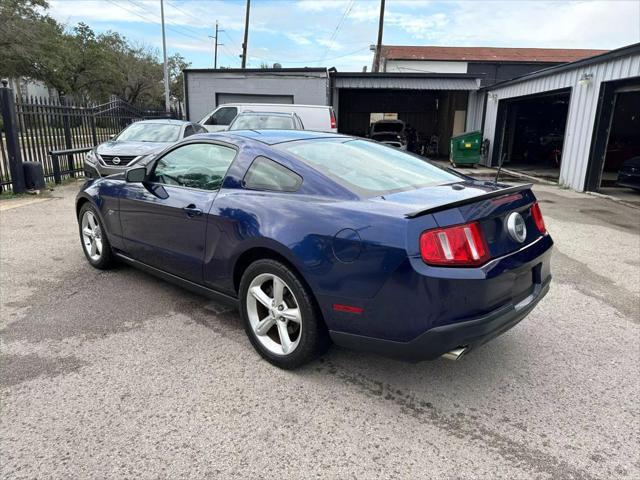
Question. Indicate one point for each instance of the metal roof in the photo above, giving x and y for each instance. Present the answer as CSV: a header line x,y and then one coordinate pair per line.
x,y
487,54
632,49
256,70
407,81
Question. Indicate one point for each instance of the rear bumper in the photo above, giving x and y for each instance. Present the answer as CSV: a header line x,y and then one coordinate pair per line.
x,y
436,341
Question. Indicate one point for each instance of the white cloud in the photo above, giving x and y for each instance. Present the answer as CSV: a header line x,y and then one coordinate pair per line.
x,y
577,24
299,39
296,31
330,44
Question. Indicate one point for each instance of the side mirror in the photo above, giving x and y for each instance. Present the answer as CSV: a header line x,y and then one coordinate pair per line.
x,y
112,136
136,174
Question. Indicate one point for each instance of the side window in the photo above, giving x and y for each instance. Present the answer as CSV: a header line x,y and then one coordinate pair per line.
x,y
265,174
222,116
198,165
189,130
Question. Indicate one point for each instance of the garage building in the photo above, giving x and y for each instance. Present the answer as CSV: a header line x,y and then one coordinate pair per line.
x,y
206,88
576,122
435,105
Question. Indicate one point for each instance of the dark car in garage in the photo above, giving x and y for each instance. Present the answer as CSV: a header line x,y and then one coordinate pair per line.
x,y
629,174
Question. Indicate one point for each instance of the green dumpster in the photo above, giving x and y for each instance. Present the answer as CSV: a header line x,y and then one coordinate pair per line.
x,y
465,148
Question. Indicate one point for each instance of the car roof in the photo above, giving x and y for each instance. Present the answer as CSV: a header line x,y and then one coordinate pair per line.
x,y
170,121
248,113
273,105
273,137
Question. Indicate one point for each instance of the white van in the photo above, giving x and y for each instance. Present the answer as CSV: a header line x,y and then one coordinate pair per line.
x,y
314,117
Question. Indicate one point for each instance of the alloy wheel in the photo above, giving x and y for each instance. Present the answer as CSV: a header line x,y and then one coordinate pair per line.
x,y
274,314
91,236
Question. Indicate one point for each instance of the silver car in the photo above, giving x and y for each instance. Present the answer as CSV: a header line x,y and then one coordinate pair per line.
x,y
137,144
266,121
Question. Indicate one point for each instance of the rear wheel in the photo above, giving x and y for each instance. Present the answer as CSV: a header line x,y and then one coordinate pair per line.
x,y
95,243
280,316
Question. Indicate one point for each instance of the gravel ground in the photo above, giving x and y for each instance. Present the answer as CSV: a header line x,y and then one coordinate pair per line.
x,y
117,374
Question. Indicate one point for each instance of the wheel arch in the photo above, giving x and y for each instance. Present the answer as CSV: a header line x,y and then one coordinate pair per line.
x,y
255,253
261,252
80,202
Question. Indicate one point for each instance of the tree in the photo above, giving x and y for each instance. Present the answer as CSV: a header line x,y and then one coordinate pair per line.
x,y
29,41
176,64
77,62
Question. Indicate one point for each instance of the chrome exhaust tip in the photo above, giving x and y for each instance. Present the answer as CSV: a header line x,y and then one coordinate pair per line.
x,y
455,354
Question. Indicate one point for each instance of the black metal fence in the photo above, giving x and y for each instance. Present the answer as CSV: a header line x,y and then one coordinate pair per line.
x,y
44,125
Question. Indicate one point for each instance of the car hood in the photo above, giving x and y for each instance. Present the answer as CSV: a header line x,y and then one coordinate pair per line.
x,y
387,127
131,148
386,137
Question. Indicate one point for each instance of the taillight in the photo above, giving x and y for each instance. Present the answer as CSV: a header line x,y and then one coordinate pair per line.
x,y
333,118
461,245
537,218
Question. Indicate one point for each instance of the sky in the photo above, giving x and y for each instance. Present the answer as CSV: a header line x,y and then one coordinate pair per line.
x,y
339,33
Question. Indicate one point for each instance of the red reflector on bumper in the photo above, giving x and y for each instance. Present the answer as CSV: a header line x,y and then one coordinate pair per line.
x,y
338,307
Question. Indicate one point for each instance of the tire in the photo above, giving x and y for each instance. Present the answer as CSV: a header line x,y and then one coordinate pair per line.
x,y
89,221
307,335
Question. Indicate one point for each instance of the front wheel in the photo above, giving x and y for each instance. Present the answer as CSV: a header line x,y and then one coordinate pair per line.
x,y
95,243
280,315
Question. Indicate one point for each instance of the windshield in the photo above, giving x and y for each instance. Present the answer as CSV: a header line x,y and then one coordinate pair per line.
x,y
262,122
368,168
150,132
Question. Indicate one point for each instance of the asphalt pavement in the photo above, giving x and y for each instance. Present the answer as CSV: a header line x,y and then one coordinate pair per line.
x,y
119,375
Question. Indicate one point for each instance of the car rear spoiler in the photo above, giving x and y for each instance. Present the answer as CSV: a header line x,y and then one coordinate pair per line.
x,y
467,201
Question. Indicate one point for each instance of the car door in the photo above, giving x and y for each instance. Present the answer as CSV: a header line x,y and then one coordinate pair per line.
x,y
164,218
220,119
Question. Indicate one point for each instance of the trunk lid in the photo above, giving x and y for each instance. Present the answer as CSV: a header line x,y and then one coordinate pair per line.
x,y
488,203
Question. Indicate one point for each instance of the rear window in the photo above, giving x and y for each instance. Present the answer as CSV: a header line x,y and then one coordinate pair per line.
x,y
262,122
368,168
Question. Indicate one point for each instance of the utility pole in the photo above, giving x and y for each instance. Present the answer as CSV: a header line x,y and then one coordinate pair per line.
x,y
376,58
246,36
167,105
215,51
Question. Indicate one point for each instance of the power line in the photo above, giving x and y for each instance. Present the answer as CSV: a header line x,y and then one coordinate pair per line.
x,y
155,19
184,11
345,14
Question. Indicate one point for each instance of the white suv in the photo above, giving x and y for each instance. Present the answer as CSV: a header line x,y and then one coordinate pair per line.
x,y
314,117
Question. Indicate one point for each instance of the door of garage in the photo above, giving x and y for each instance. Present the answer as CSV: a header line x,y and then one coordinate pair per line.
x,y
616,138
432,114
222,98
531,132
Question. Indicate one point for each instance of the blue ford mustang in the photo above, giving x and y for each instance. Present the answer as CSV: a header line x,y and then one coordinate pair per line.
x,y
320,237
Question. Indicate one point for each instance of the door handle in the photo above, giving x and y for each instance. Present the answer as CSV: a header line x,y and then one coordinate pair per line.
x,y
192,211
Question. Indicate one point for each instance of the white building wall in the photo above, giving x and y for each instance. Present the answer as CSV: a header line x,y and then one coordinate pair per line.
x,y
424,66
582,109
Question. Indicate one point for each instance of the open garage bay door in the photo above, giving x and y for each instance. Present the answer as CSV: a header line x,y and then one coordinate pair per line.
x,y
531,133
434,115
616,139
222,98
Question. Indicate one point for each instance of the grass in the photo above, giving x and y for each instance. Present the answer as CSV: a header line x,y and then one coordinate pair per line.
x,y
8,194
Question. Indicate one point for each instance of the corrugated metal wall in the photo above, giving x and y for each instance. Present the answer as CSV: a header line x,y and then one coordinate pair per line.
x,y
475,109
582,109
